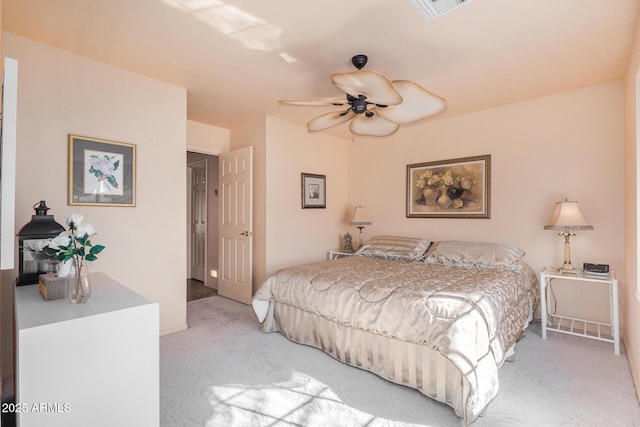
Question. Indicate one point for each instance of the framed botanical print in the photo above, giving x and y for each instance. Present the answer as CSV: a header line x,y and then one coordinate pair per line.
x,y
456,188
101,172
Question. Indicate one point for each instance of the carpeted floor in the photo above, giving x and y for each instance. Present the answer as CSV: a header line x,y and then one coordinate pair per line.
x,y
223,371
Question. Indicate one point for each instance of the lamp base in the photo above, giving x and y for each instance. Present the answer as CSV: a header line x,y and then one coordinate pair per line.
x,y
360,236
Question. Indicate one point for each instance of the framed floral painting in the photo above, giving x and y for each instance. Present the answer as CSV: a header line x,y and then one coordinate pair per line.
x,y
101,172
456,188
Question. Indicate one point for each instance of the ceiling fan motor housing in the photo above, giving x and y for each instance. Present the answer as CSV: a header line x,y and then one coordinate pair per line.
x,y
359,61
358,105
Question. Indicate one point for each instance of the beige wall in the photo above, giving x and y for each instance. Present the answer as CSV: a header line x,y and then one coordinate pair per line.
x,y
60,94
296,235
630,295
207,139
542,150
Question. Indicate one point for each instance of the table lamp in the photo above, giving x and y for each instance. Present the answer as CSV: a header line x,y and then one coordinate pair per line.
x,y
360,219
567,217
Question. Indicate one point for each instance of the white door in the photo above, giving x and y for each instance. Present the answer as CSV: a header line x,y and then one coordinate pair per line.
x,y
198,220
235,225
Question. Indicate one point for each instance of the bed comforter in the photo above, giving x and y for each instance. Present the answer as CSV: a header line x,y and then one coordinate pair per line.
x,y
471,316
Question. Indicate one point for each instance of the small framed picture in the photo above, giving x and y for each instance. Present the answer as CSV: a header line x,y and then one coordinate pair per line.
x,y
314,191
101,173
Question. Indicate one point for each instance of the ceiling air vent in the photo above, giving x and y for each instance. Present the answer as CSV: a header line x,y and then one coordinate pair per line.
x,y
431,9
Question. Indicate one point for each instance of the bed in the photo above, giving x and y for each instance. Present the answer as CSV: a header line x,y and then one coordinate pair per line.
x,y
439,317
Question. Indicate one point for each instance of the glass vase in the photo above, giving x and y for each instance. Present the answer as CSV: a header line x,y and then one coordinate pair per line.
x,y
79,285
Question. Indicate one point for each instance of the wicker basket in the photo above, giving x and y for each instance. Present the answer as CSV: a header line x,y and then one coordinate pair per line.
x,y
53,287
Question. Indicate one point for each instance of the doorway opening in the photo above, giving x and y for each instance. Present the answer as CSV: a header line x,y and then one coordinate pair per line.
x,y
202,229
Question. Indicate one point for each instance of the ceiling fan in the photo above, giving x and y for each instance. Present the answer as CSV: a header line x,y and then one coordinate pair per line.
x,y
377,105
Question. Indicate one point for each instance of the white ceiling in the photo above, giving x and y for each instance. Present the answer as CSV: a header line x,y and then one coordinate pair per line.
x,y
238,57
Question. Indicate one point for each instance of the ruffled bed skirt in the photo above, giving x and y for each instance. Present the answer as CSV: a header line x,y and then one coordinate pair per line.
x,y
413,365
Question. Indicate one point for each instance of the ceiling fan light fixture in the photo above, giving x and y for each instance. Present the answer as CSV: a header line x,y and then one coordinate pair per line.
x,y
431,9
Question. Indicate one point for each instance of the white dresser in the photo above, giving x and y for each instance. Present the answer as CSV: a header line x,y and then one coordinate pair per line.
x,y
93,364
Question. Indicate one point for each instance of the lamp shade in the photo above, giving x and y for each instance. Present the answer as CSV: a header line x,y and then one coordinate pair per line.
x,y
567,216
360,217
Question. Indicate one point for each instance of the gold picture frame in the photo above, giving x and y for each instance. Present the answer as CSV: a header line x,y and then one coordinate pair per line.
x,y
101,172
456,188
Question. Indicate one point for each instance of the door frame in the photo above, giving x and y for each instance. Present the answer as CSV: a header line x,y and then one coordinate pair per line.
x,y
190,167
196,150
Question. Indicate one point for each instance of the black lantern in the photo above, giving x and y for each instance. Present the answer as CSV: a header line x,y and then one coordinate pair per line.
x,y
41,227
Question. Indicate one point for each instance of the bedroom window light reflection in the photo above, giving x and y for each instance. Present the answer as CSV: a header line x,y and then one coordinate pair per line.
x,y
360,219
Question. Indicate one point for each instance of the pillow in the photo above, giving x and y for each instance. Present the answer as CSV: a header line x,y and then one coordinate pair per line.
x,y
474,254
394,247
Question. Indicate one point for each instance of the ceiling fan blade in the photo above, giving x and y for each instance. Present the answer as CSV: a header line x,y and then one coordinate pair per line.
x,y
330,119
375,86
375,125
315,101
418,103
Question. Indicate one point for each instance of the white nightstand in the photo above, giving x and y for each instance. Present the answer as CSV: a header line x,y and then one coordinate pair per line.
x,y
339,254
581,327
